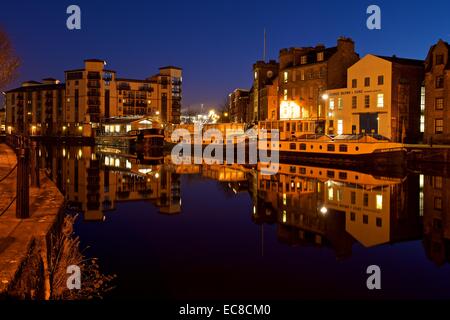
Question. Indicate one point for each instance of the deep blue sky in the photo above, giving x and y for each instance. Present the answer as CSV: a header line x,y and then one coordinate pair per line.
x,y
215,42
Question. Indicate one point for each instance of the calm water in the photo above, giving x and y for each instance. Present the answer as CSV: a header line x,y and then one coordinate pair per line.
x,y
227,232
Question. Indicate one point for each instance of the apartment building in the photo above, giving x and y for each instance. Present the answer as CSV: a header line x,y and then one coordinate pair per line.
x,y
88,96
382,96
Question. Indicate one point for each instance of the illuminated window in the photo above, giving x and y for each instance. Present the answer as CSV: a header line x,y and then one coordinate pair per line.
x,y
340,127
128,127
117,127
304,60
439,104
422,124
256,75
379,202
320,56
330,194
380,100
286,77
331,104
284,199
340,104
285,95
340,195
302,75
284,216
438,126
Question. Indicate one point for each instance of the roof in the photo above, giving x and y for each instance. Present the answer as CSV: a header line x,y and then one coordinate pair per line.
x,y
95,60
404,61
51,86
170,67
429,59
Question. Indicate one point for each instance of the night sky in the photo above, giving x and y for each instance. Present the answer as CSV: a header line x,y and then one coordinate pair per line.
x,y
215,42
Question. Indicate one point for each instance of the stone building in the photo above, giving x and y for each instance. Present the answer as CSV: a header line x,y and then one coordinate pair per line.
x,y
239,100
382,96
437,92
264,88
306,73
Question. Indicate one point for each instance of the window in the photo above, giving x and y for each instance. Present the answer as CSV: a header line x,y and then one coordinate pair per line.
x,y
330,174
353,197
367,82
304,60
343,148
303,146
380,100
365,219
320,56
340,195
379,202
439,104
439,59
437,182
366,101
343,175
331,104
293,146
379,222
422,124
439,82
256,75
286,77
366,200
285,95
331,124
380,80
331,147
302,75
340,104
438,203
354,83
352,216
438,126
340,127
330,194
354,102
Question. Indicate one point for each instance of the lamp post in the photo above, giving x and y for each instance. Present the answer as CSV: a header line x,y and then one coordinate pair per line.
x,y
320,97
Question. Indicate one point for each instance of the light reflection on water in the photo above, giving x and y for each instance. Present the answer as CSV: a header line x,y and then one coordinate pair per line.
x,y
217,231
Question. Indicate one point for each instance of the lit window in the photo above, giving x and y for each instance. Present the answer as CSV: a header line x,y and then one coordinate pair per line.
x,y
330,194
438,126
304,60
367,101
380,100
439,104
256,75
284,216
340,127
379,202
286,77
285,95
340,104
331,104
117,127
320,56
302,75
422,124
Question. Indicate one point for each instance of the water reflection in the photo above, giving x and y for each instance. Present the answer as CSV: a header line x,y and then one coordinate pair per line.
x,y
310,206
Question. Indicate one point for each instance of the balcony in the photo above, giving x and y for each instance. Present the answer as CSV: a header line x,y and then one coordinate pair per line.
x,y
93,84
93,102
94,110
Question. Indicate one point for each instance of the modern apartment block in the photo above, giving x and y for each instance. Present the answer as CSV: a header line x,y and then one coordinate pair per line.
x,y
306,73
437,90
89,96
35,107
382,96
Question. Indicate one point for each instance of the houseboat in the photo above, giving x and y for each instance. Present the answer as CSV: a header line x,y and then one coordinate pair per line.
x,y
299,142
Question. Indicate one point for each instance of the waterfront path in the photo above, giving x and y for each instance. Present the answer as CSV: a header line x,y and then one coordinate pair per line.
x,y
16,235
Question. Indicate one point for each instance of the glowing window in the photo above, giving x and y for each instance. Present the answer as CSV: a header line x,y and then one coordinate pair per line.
x,y
379,201
380,100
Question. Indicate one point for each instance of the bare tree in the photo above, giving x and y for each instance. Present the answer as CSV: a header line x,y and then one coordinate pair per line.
x,y
9,62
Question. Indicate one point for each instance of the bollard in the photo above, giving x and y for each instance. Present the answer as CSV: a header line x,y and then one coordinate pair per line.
x,y
22,190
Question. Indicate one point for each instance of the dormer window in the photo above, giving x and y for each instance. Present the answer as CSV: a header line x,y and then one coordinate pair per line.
x,y
320,56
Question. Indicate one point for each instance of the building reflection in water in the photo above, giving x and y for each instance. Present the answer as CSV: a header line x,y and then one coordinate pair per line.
x,y
310,206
